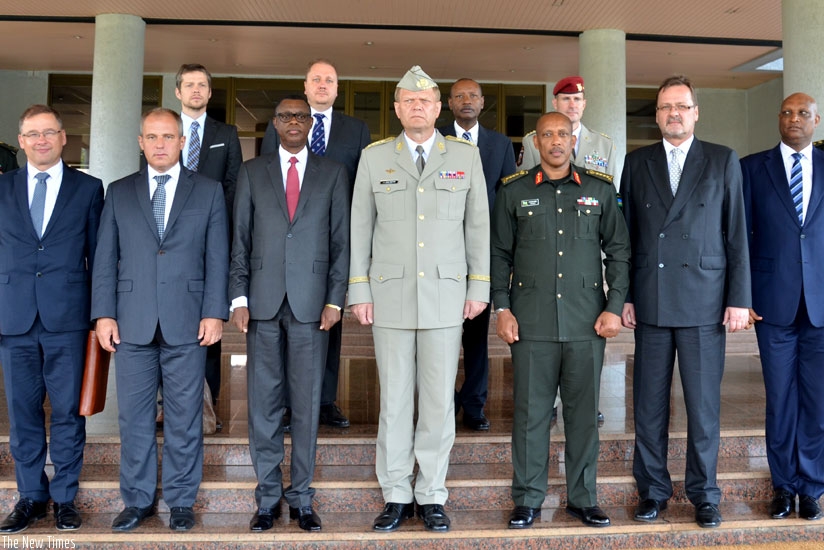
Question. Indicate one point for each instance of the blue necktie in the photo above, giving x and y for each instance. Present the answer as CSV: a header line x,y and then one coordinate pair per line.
x,y
318,145
38,203
159,203
467,136
194,148
796,187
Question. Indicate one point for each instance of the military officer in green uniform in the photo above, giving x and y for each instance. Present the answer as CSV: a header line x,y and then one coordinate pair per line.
x,y
419,267
8,158
549,227
593,150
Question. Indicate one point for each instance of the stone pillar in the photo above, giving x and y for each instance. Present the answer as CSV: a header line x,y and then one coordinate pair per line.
x,y
801,24
603,65
117,96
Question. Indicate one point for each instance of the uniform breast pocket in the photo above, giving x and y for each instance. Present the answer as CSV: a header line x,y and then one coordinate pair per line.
x,y
587,221
451,198
532,222
390,199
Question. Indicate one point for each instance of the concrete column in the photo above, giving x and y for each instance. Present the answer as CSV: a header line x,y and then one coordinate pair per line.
x,y
19,90
801,24
117,93
603,65
170,101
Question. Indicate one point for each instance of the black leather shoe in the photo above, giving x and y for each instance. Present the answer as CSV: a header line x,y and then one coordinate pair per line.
x,y
434,517
331,415
649,509
286,421
182,518
25,512
808,508
66,517
393,515
782,504
592,516
131,517
477,423
707,515
264,518
308,519
523,517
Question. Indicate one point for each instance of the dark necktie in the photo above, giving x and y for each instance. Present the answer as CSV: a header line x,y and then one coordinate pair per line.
x,y
420,163
467,136
38,203
292,188
797,187
194,148
318,144
159,203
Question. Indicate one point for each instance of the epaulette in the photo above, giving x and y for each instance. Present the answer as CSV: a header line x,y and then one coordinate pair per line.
x,y
819,144
461,140
600,175
606,136
11,148
380,142
532,133
513,177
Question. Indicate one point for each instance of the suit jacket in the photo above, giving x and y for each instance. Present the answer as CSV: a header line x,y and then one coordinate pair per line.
x,y
347,138
141,281
306,259
220,158
786,258
49,276
595,152
689,252
497,157
420,243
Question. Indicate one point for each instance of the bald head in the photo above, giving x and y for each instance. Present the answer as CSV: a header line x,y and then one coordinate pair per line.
x,y
797,120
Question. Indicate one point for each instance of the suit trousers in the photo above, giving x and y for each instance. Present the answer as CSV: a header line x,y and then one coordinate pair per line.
x,y
472,395
428,359
182,370
329,390
792,359
284,357
539,369
35,364
213,370
700,353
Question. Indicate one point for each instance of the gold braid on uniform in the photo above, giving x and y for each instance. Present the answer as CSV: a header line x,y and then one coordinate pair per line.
x,y
355,280
600,175
461,140
485,278
384,140
512,177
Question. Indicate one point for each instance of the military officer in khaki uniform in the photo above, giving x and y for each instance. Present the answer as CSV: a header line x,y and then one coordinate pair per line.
x,y
549,227
593,150
419,267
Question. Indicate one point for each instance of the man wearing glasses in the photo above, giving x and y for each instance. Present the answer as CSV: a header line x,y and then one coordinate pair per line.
x,y
290,261
49,215
689,279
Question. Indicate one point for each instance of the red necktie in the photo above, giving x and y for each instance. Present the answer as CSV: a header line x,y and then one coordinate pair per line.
x,y
292,188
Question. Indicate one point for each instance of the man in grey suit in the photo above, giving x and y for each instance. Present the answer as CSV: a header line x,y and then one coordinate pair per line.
x,y
339,137
212,150
690,277
419,268
159,298
290,259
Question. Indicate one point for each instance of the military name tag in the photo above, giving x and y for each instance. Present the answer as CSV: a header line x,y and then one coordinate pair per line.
x,y
530,202
389,182
451,175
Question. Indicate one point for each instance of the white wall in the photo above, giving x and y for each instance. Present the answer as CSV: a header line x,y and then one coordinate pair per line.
x,y
763,103
723,118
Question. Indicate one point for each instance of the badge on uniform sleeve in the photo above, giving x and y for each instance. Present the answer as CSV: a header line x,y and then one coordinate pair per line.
x,y
452,175
530,202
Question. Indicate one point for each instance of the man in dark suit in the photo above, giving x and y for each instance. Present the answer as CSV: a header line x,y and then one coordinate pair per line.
x,y
783,190
159,298
212,150
341,138
466,101
49,215
290,261
690,277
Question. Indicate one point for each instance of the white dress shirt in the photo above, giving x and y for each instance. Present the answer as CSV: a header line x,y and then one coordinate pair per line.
x,y
52,188
170,186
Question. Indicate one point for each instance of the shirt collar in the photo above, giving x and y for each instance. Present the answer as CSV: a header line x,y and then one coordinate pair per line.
x,y
55,172
285,155
685,146
786,150
427,145
327,113
473,132
187,122
174,171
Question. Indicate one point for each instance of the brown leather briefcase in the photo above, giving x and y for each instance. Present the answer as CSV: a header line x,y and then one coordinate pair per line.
x,y
95,377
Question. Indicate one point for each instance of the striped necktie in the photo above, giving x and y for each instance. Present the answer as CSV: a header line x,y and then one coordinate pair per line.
x,y
797,187
194,148
467,136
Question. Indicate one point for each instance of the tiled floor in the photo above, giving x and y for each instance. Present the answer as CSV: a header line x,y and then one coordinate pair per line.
x,y
358,393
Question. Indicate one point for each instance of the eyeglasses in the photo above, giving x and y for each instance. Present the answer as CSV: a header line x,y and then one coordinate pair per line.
x,y
300,117
680,108
48,134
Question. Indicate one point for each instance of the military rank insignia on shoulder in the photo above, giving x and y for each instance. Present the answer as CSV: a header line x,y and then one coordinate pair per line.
x,y
460,140
380,142
819,144
530,134
512,177
600,175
